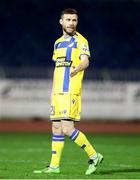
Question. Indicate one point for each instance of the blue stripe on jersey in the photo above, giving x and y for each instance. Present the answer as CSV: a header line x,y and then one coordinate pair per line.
x,y
65,44
71,45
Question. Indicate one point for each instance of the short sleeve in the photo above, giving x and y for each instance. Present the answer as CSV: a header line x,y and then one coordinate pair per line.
x,y
84,48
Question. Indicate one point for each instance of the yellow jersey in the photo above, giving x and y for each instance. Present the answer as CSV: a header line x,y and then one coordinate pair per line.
x,y
67,53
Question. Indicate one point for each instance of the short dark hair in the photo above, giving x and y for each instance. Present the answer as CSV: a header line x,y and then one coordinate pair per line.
x,y
69,11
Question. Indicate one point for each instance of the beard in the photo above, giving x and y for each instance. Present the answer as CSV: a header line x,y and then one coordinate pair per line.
x,y
69,33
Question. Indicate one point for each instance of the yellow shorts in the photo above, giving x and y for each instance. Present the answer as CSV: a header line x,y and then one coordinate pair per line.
x,y
65,106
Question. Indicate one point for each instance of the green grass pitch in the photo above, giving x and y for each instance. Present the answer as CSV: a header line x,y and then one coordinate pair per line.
x,y
21,153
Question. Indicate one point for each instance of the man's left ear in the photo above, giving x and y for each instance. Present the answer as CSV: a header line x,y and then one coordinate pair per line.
x,y
60,21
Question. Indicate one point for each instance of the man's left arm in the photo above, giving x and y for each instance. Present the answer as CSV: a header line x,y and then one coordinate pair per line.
x,y
82,66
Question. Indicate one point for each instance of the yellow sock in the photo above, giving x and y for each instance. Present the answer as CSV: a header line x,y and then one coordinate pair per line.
x,y
57,148
80,139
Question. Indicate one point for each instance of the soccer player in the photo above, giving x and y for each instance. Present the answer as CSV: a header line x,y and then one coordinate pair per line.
x,y
71,56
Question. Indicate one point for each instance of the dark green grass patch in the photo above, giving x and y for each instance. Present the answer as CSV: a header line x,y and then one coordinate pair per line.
x,y
21,153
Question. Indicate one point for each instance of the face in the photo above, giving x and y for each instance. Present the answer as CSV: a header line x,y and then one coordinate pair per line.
x,y
69,23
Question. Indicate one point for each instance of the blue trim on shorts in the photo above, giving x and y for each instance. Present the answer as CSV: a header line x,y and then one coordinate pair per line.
x,y
64,118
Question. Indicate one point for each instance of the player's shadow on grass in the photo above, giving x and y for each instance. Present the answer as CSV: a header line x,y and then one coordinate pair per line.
x,y
119,171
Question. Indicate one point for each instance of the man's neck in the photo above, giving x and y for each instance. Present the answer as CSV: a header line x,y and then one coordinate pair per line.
x,y
66,35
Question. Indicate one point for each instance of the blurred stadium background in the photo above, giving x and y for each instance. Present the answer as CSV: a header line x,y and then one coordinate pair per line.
x,y
111,88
